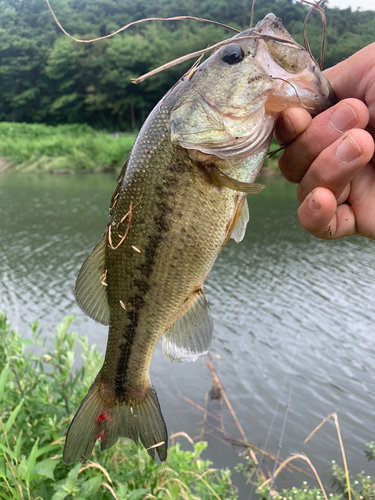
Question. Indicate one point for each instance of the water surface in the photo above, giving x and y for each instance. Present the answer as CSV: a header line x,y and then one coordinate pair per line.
x,y
288,310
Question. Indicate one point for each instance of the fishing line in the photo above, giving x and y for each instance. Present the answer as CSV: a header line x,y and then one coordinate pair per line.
x,y
315,7
287,375
285,418
252,14
271,427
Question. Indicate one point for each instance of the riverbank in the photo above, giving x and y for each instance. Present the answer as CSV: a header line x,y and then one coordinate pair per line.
x,y
62,149
69,149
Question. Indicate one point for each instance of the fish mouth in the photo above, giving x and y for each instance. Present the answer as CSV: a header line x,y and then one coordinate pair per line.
x,y
300,80
309,90
327,90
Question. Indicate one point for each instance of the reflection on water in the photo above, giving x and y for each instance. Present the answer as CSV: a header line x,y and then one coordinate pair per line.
x,y
281,301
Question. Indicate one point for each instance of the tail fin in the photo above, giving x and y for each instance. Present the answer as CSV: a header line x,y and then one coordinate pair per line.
x,y
98,419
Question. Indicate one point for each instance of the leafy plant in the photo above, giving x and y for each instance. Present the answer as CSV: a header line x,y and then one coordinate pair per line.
x,y
362,487
370,454
39,390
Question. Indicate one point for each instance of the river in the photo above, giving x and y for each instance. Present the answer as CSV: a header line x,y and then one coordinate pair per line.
x,y
292,314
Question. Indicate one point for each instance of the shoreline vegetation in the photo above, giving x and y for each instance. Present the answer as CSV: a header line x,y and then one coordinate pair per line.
x,y
70,149
39,391
61,149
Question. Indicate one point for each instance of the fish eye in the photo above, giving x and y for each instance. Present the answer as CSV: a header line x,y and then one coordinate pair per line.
x,y
232,54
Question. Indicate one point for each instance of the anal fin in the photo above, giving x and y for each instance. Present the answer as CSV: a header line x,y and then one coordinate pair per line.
x,y
190,337
90,289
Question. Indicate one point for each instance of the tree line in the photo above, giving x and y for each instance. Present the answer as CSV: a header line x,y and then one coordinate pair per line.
x,y
46,77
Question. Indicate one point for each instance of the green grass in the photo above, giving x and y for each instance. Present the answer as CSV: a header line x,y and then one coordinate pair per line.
x,y
62,149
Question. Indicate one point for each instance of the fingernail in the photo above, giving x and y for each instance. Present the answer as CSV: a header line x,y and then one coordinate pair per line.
x,y
343,118
314,203
348,150
290,128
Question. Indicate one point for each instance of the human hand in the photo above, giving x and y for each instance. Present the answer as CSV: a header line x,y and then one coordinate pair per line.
x,y
332,155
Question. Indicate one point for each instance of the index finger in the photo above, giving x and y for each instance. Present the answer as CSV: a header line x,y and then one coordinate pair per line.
x,y
291,123
355,77
323,130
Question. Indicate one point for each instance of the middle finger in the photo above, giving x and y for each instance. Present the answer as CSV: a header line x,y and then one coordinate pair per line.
x,y
338,164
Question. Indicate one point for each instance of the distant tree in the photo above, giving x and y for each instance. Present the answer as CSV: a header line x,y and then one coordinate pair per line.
x,y
46,77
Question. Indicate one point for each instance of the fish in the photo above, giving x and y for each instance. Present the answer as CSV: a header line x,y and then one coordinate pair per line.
x,y
179,198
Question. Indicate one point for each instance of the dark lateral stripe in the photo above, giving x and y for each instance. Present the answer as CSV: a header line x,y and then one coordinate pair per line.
x,y
142,286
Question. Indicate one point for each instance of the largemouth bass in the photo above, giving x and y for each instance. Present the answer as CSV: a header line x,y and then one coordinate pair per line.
x,y
180,196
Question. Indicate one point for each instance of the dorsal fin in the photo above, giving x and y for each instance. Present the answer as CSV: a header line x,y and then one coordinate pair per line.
x,y
239,230
190,337
90,289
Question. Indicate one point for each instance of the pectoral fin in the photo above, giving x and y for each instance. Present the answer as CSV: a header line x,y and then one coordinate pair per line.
x,y
222,179
238,232
91,290
191,336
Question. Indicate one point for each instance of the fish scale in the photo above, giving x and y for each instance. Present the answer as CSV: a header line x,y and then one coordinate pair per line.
x,y
185,259
180,196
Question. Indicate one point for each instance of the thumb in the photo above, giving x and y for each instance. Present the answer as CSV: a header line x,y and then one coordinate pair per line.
x,y
355,77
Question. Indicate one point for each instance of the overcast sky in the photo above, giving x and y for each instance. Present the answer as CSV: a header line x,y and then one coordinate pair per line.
x,y
343,4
